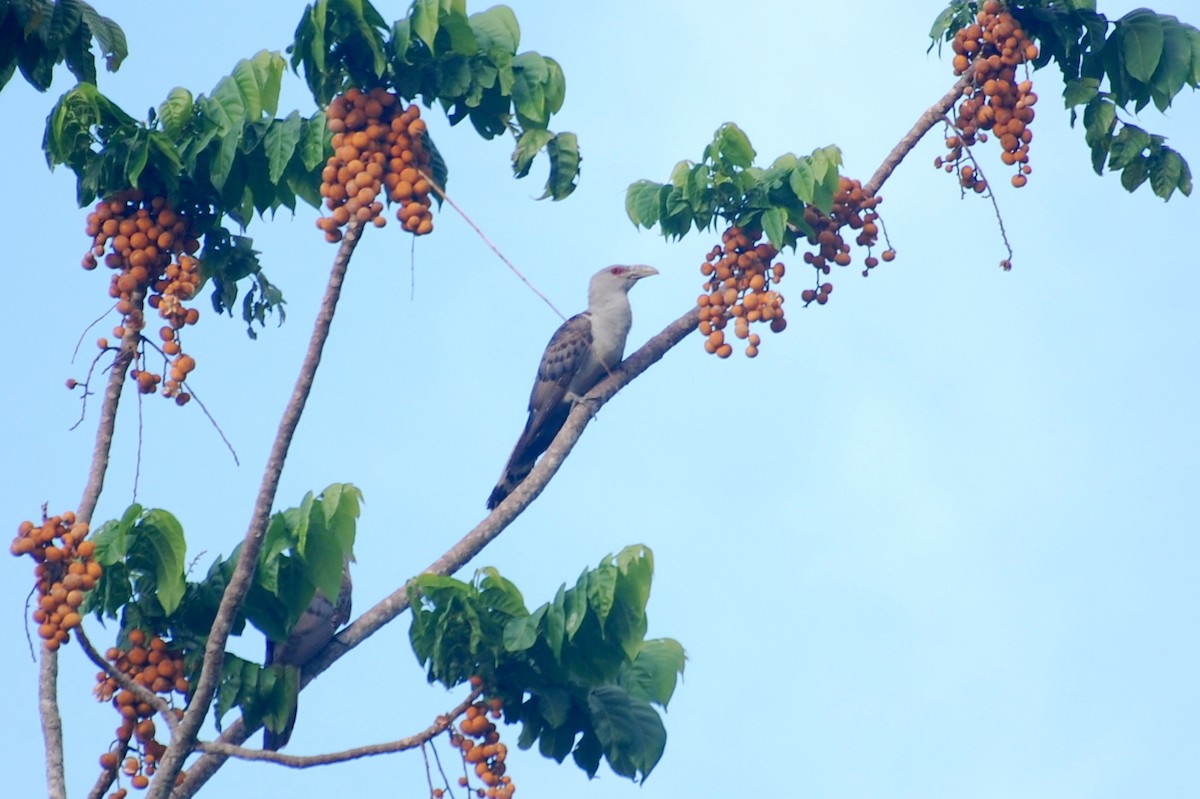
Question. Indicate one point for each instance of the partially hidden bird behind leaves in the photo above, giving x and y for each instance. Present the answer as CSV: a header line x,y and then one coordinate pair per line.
x,y
313,630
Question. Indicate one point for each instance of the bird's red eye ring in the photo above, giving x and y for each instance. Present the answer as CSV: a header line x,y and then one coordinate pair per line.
x,y
618,270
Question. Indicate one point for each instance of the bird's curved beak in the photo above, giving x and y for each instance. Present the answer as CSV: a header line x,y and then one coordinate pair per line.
x,y
639,271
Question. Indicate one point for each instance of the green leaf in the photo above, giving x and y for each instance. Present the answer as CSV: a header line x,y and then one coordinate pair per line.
x,y
269,67
280,142
774,224
1128,145
1166,171
496,28
601,590
529,144
1141,37
313,140
1135,173
642,203
734,146
229,97
246,80
563,151
520,632
554,705
424,21
802,180
631,733
1080,91
651,677
1174,66
176,111
159,536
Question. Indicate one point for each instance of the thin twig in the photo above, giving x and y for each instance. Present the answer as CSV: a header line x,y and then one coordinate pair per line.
x,y
213,422
243,573
990,194
97,321
442,193
142,693
442,723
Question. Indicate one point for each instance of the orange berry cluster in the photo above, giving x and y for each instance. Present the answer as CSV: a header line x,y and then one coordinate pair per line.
x,y
65,571
150,246
376,144
739,274
852,208
150,663
990,50
479,742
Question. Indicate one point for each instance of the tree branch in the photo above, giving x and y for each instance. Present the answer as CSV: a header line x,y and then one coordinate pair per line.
x,y
442,723
923,125
184,737
56,784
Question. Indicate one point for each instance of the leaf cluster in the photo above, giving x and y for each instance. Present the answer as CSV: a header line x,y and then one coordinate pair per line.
x,y
578,672
1110,66
469,64
38,35
145,585
726,185
217,155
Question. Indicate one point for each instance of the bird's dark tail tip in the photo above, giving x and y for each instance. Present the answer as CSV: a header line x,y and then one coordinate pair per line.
x,y
498,495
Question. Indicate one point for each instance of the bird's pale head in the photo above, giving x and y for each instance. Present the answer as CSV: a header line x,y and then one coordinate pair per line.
x,y
619,277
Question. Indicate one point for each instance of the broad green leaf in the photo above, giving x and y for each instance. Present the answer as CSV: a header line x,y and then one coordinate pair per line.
x,y
555,86
529,144
774,224
269,67
136,157
458,30
424,21
499,593
1166,170
601,590
563,152
176,111
520,632
246,80
1128,145
229,97
314,138
496,28
340,503
109,35
803,181
642,204
1175,65
161,538
734,146
1080,91
554,705
1141,37
575,605
652,675
280,142
554,623
1135,174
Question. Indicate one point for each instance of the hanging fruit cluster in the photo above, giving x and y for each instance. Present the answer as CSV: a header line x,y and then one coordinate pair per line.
x,y
738,275
479,742
853,209
989,52
149,662
377,144
65,571
150,247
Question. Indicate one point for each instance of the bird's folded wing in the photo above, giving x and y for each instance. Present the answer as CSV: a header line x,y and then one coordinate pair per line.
x,y
568,352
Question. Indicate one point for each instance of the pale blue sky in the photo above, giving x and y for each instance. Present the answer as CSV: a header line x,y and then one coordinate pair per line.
x,y
939,540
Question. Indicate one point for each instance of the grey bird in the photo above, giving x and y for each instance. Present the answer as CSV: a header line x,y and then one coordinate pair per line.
x,y
313,630
583,350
